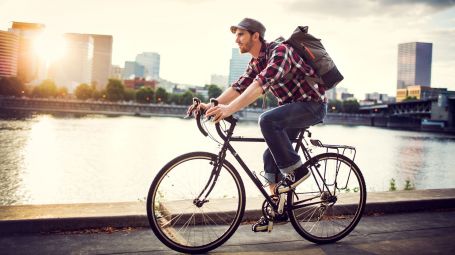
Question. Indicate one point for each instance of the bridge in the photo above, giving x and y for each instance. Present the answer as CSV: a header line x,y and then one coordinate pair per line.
x,y
414,108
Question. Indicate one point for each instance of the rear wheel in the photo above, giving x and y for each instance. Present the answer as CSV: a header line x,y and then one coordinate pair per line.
x,y
184,223
329,204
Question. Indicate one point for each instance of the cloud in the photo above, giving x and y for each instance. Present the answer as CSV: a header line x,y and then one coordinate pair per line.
x,y
360,9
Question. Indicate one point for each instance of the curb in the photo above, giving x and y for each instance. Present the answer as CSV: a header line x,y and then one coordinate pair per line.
x,y
16,219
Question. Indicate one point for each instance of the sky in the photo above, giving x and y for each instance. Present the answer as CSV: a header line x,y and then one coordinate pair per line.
x,y
194,41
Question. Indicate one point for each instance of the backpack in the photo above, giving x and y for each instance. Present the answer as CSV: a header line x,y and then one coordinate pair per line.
x,y
313,52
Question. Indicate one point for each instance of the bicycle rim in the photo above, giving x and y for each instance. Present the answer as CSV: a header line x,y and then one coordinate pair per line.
x,y
329,210
181,224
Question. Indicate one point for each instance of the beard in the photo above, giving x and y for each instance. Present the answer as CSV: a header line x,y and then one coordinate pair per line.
x,y
246,47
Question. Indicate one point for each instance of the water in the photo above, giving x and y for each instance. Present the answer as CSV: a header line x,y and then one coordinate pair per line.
x,y
47,160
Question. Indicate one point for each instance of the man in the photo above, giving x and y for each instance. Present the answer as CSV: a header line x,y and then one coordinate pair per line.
x,y
274,66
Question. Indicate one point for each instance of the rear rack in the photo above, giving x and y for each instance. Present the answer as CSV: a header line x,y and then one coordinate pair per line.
x,y
337,148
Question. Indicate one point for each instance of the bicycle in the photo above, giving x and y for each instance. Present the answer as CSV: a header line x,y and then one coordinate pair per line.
x,y
197,200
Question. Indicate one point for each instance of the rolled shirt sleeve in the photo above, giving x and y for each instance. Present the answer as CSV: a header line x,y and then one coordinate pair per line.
x,y
245,80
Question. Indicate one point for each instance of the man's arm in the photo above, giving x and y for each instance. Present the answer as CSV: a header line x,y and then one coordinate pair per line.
x,y
228,96
246,98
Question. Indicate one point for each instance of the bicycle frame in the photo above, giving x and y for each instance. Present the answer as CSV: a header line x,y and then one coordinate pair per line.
x,y
228,147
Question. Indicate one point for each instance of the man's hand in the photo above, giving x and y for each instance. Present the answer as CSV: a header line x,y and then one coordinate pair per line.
x,y
219,112
193,108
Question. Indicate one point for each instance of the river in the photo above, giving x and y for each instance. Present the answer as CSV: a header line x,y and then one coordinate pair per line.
x,y
47,159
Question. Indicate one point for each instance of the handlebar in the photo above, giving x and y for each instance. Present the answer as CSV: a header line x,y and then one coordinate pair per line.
x,y
232,120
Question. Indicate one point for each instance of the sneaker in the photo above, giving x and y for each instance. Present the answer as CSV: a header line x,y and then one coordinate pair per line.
x,y
298,176
263,223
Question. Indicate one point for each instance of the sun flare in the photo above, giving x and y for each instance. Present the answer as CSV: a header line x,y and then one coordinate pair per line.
x,y
50,47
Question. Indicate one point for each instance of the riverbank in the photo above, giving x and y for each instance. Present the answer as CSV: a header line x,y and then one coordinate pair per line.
x,y
70,217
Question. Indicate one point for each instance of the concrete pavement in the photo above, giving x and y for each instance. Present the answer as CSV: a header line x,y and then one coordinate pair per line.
x,y
45,218
408,233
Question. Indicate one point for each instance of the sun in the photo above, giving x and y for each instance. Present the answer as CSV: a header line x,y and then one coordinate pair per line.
x,y
50,47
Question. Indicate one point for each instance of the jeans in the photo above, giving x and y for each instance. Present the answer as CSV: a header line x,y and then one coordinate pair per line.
x,y
278,126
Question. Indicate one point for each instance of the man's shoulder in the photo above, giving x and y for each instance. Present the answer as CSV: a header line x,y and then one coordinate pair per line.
x,y
278,45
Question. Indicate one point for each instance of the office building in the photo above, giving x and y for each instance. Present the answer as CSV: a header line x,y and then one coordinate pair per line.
x,y
116,72
238,64
102,60
9,50
77,65
132,70
414,64
219,80
30,66
151,63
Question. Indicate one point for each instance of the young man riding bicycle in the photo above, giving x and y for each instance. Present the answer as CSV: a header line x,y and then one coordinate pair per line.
x,y
275,67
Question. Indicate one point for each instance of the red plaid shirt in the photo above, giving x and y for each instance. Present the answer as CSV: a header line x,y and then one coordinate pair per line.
x,y
280,69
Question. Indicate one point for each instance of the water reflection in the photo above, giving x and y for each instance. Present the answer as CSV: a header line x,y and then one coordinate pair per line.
x,y
44,159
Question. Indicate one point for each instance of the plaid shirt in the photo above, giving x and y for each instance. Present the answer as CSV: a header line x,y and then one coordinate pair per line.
x,y
280,69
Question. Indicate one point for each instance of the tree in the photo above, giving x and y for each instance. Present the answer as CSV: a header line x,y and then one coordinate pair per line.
x,y
130,94
351,106
115,90
46,89
187,98
83,91
214,91
62,92
161,95
12,86
335,106
145,95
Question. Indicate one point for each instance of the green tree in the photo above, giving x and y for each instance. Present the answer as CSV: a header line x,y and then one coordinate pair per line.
x,y
410,98
115,91
145,95
62,92
351,106
161,95
335,106
187,98
213,90
12,86
130,94
83,91
46,89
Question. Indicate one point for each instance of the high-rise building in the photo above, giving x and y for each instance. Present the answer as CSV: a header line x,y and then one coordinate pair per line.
x,y
116,72
9,50
151,63
30,66
132,70
238,65
219,80
414,64
102,59
77,65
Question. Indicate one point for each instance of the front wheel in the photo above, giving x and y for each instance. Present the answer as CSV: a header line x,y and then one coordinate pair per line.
x,y
328,205
186,223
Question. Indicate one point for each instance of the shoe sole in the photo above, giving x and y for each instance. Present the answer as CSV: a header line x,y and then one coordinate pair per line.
x,y
295,184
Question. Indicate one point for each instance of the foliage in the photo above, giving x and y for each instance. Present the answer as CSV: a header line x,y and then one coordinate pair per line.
x,y
351,106
213,90
83,91
393,186
161,95
130,94
12,86
115,91
46,89
335,106
145,95
409,98
408,185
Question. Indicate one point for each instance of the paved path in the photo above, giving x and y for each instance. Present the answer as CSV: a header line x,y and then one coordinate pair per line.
x,y
409,233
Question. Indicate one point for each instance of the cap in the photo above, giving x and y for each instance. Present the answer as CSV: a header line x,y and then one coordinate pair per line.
x,y
250,25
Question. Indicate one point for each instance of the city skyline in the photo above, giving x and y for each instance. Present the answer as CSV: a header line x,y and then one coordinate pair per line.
x,y
194,41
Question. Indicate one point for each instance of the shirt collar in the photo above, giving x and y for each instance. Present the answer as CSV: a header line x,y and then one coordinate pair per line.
x,y
262,52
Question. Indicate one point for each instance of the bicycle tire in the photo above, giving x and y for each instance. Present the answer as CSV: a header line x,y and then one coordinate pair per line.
x,y
183,226
341,211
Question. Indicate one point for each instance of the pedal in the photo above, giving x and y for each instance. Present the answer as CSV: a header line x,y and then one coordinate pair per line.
x,y
270,226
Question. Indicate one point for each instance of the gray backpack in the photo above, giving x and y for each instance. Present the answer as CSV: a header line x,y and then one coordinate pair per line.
x,y
313,52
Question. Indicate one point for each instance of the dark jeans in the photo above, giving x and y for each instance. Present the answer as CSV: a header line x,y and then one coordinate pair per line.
x,y
280,124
